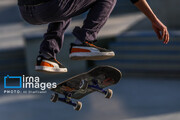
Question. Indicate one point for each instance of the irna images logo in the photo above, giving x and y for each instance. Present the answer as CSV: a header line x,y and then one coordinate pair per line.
x,y
27,82
12,81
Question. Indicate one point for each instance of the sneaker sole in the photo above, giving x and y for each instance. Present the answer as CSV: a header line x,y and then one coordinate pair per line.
x,y
50,69
91,56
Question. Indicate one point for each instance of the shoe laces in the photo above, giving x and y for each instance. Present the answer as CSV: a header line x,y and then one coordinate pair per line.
x,y
57,61
91,44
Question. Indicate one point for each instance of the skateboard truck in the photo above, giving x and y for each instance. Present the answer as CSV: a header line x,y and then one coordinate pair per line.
x,y
77,106
108,93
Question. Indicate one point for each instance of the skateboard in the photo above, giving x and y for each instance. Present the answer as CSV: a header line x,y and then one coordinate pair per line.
x,y
83,84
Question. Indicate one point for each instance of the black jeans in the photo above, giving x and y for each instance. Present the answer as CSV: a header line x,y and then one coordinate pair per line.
x,y
58,14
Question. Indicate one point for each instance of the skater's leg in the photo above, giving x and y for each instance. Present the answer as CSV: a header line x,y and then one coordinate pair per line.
x,y
53,39
96,18
51,45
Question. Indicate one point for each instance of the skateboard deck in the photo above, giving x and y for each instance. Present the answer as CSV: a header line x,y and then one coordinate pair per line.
x,y
103,76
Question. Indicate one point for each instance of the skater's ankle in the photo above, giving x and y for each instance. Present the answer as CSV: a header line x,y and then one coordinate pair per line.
x,y
45,55
78,42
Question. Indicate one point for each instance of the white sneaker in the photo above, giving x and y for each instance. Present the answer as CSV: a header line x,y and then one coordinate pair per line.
x,y
49,65
88,51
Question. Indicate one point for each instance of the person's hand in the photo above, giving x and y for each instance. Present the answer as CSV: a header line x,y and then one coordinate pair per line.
x,y
161,31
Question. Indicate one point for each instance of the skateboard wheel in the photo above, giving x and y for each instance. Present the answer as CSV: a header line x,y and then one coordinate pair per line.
x,y
54,97
78,106
109,94
83,84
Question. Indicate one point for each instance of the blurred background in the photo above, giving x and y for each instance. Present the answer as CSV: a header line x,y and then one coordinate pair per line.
x,y
149,89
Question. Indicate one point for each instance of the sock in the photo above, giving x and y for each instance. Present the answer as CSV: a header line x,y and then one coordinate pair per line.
x,y
77,41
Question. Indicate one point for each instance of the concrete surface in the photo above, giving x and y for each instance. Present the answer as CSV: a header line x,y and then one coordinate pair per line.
x,y
134,99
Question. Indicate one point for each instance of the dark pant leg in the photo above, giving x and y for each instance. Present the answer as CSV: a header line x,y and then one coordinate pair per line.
x,y
63,10
96,18
41,13
53,39
48,13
